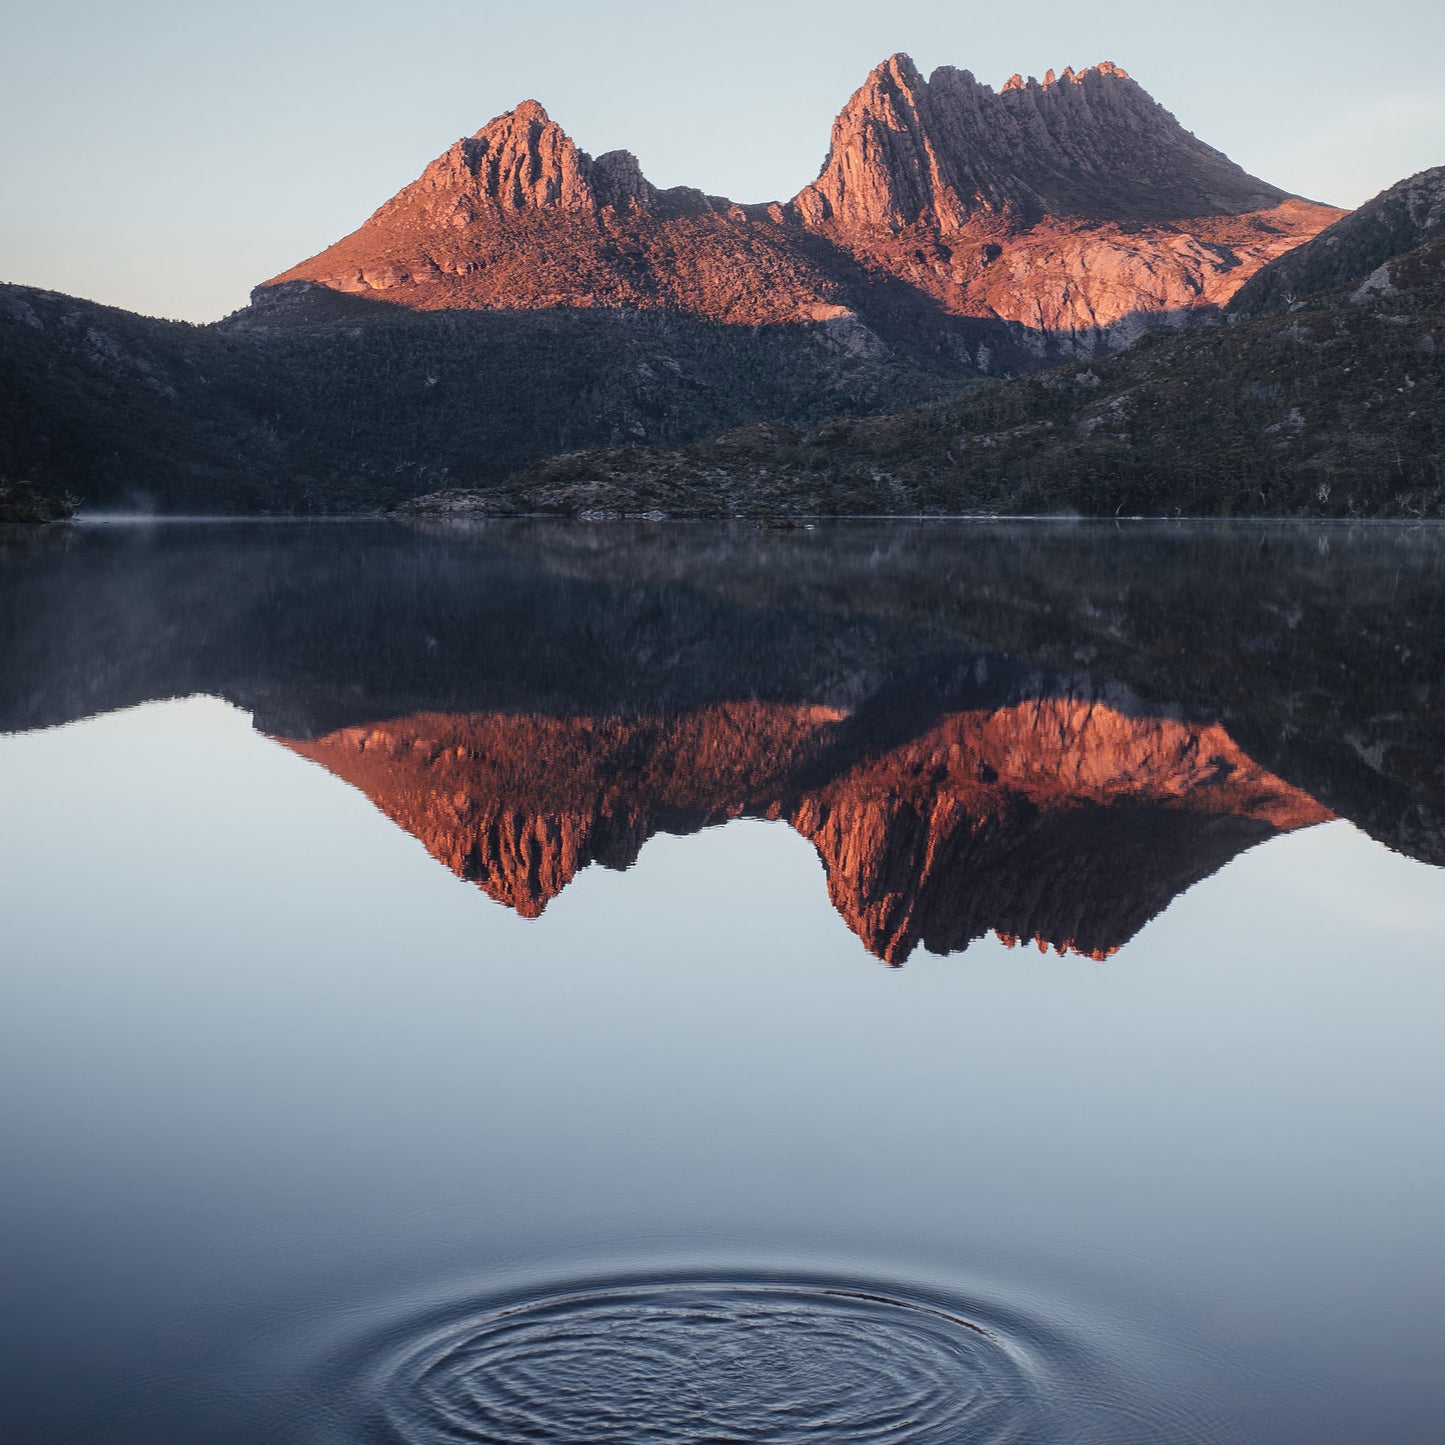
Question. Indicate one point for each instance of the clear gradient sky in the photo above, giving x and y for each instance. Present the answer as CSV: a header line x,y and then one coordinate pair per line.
x,y
166,155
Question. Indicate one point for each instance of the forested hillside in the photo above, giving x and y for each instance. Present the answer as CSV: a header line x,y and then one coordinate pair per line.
x,y
357,404
1334,409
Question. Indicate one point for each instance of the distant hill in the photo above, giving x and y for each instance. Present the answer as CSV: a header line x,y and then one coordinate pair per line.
x,y
358,405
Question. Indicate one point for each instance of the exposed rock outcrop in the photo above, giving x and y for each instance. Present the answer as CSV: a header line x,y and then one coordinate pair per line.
x,y
517,217
1093,146
1077,206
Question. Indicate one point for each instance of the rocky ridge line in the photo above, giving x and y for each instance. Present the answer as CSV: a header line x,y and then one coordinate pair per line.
x,y
1076,210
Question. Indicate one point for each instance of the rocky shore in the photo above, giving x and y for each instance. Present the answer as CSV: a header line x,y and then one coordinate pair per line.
x,y
23,502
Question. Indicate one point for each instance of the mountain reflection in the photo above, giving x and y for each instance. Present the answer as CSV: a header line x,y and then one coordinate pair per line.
x,y
1043,732
1058,820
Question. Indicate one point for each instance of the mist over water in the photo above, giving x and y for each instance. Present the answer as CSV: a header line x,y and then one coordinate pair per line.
x,y
446,986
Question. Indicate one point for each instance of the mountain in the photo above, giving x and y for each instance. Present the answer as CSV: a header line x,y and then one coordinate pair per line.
x,y
1058,820
1075,210
1077,206
945,151
1323,396
523,299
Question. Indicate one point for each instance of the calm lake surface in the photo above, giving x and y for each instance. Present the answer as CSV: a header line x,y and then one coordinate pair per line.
x,y
887,983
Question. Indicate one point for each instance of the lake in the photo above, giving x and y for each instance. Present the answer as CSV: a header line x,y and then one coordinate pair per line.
x,y
663,983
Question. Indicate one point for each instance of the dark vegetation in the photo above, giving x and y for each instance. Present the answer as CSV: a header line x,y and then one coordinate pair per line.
x,y
1320,392
25,503
356,404
1398,220
1333,408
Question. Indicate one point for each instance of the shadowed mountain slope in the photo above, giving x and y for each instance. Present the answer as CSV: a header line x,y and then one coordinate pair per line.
x,y
1337,409
360,404
1352,252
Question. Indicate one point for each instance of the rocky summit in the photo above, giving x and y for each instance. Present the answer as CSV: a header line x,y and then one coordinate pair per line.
x,y
993,225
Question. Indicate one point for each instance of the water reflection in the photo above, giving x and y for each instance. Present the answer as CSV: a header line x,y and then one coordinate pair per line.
x,y
1059,819
1043,733
308,1143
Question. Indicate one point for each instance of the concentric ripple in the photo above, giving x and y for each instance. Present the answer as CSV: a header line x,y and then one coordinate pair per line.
x,y
725,1363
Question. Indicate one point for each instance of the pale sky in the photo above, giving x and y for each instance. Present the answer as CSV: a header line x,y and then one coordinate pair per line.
x,y
167,155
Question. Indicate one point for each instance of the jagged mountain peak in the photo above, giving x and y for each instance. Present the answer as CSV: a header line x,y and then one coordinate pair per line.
x,y
900,68
1105,72
1090,144
521,159
528,112
949,219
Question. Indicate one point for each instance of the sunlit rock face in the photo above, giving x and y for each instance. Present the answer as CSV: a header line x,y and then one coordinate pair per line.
x,y
516,217
1058,820
1077,207
1074,205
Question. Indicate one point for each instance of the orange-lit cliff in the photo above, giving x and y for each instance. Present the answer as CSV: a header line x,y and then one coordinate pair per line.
x,y
1077,206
